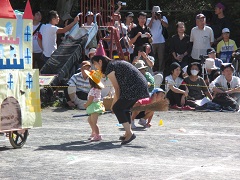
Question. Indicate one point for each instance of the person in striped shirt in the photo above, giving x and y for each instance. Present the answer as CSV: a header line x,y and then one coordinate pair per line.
x,y
78,87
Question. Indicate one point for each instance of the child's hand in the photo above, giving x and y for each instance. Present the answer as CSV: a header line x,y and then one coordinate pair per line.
x,y
85,105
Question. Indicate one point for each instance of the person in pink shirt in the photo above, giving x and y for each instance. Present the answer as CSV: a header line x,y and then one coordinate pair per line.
x,y
145,117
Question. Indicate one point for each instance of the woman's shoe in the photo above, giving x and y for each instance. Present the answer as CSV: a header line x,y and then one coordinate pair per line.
x,y
188,108
175,107
122,138
96,138
128,141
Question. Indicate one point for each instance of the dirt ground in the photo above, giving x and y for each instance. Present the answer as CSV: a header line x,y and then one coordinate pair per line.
x,y
187,145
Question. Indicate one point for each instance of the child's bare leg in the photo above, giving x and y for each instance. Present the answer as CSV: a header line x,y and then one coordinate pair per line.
x,y
94,118
149,116
90,123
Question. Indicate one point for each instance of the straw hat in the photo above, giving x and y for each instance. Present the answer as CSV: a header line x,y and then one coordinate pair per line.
x,y
140,65
96,76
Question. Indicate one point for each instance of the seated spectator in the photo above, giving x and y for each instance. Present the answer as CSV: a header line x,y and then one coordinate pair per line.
x,y
226,47
227,83
197,88
212,54
211,71
180,45
143,54
176,89
77,91
140,65
145,117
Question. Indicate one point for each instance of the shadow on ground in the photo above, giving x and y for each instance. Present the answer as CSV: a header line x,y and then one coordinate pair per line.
x,y
84,146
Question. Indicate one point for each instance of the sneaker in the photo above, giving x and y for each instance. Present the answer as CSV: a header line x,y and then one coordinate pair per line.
x,y
175,107
142,122
188,108
96,138
148,125
133,126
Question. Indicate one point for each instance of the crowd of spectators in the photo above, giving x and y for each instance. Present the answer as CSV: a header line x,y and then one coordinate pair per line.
x,y
198,60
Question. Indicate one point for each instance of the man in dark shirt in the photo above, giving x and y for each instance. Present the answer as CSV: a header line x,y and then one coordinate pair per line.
x,y
140,34
219,22
180,45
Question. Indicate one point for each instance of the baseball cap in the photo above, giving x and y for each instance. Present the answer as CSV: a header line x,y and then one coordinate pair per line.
x,y
89,13
220,6
211,50
156,90
129,14
199,16
225,30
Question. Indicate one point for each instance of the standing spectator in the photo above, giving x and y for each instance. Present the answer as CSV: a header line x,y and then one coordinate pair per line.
x,y
212,54
140,34
180,45
219,21
88,24
156,23
127,27
129,84
226,47
201,37
37,50
49,31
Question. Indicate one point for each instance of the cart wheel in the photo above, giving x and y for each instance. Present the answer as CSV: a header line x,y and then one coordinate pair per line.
x,y
17,139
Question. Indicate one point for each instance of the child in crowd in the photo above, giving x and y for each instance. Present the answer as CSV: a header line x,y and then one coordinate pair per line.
x,y
94,106
140,65
145,117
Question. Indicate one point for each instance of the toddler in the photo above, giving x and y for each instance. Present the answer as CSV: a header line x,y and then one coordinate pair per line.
x,y
94,106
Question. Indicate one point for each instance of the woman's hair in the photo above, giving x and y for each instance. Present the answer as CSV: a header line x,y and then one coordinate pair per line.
x,y
105,60
173,66
93,84
196,64
179,23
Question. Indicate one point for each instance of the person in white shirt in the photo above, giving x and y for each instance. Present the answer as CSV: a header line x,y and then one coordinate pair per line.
x,y
227,83
202,38
156,23
37,50
49,33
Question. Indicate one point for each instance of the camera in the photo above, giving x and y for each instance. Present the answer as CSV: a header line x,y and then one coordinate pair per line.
x,y
203,58
123,3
